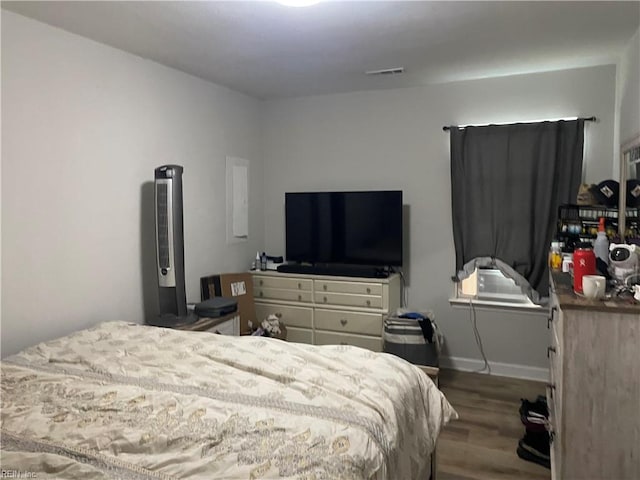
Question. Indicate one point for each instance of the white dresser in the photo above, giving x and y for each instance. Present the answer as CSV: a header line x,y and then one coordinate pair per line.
x,y
328,310
594,390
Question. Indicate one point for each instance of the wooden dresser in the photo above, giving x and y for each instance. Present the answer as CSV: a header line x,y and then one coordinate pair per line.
x,y
594,390
328,310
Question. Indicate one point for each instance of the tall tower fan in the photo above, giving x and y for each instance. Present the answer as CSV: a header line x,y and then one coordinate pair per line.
x,y
170,247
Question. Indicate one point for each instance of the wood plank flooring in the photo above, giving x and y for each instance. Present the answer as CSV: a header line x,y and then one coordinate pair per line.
x,y
481,444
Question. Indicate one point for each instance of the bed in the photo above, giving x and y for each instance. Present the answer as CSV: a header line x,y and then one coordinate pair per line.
x,y
122,400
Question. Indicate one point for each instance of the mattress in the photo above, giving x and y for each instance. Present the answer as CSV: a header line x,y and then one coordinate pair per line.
x,y
123,400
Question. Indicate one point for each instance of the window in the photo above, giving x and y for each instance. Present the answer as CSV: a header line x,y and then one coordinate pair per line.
x,y
507,182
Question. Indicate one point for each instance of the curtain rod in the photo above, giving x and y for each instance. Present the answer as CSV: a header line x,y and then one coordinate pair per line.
x,y
446,128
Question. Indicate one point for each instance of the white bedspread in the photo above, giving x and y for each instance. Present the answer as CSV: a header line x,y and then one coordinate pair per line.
x,y
130,401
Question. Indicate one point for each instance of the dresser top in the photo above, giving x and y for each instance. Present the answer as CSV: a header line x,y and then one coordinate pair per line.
x,y
273,273
568,300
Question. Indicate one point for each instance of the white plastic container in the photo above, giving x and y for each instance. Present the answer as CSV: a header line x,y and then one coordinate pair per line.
x,y
601,244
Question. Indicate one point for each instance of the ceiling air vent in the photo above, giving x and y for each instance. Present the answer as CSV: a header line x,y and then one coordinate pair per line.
x,y
386,71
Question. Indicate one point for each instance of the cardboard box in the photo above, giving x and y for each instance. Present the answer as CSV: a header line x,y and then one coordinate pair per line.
x,y
237,285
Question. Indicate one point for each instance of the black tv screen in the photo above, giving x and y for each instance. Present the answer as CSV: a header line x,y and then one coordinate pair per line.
x,y
356,228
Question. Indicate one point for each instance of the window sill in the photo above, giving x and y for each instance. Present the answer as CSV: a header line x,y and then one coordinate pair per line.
x,y
529,308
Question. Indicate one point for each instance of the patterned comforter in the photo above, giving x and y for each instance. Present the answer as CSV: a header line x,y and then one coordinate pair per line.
x,y
130,401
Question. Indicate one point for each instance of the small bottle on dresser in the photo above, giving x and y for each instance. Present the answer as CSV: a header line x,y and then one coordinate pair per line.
x,y
601,244
555,256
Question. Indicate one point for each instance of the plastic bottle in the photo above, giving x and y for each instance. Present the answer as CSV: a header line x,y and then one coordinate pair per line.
x,y
258,261
601,244
555,256
263,262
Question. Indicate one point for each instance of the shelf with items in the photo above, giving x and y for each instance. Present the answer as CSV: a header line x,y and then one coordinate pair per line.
x,y
632,225
579,223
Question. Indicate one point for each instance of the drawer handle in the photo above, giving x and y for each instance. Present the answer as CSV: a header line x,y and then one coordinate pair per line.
x,y
278,314
550,350
299,285
368,303
261,293
368,290
343,321
325,299
324,287
551,387
261,282
344,343
299,298
551,316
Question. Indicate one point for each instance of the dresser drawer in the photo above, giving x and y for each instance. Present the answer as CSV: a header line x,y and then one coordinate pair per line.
x,y
555,338
282,294
331,338
351,300
556,356
279,282
555,374
556,326
299,335
361,288
348,322
555,388
554,436
290,316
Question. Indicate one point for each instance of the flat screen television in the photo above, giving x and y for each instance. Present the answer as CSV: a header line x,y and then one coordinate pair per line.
x,y
349,228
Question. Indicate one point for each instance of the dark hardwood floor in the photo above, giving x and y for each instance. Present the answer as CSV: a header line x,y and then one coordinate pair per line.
x,y
481,444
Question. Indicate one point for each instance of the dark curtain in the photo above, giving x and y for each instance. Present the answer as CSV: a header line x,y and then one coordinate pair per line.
x,y
507,182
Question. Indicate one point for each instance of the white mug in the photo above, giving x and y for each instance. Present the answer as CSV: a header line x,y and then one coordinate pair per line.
x,y
593,286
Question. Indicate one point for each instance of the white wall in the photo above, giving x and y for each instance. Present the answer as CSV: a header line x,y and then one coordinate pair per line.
x,y
83,127
629,91
393,139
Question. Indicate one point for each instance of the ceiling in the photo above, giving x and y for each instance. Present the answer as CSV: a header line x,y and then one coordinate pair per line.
x,y
267,50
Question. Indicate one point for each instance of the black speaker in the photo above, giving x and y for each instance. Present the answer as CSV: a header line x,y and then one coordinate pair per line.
x,y
170,247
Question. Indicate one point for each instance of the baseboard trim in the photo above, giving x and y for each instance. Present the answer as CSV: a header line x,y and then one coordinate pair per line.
x,y
497,368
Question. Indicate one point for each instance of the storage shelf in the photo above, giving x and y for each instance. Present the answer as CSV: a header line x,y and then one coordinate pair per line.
x,y
580,222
